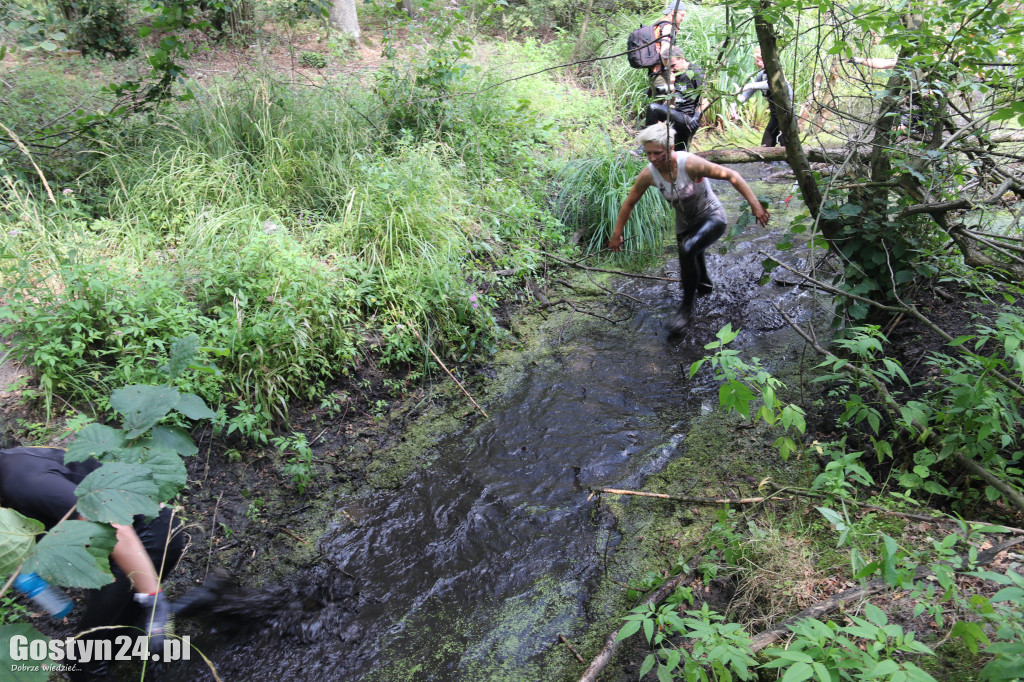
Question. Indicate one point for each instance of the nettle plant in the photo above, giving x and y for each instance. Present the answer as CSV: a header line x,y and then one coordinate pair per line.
x,y
142,468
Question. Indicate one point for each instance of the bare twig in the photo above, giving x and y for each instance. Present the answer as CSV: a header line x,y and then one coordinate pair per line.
x,y
25,151
586,267
445,368
680,498
297,537
213,532
892,512
563,640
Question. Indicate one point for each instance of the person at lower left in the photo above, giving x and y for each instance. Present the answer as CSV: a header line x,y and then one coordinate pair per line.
x,y
681,178
37,483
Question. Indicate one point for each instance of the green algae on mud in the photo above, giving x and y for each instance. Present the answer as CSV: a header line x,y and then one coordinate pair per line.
x,y
499,649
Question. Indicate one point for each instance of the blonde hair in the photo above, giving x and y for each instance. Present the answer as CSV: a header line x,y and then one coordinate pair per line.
x,y
660,134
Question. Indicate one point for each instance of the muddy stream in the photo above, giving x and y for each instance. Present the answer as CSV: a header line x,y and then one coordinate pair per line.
x,y
471,569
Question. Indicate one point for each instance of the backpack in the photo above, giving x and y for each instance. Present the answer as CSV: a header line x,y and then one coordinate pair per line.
x,y
643,48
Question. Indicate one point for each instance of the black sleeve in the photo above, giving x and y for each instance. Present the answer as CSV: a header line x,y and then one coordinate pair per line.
x,y
36,486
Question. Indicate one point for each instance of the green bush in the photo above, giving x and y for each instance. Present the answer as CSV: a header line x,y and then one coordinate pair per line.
x,y
313,60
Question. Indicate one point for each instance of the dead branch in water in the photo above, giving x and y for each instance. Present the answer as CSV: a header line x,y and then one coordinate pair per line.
x,y
563,640
679,498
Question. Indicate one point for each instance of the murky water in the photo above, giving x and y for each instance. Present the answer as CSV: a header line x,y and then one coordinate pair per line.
x,y
471,569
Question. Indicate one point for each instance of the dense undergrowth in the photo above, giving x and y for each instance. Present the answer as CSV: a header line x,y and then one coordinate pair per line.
x,y
298,233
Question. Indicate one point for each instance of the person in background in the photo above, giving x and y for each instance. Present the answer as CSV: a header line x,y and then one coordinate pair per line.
x,y
668,28
773,133
36,483
681,178
678,98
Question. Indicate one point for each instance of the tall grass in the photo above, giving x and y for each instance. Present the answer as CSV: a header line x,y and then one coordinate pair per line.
x,y
298,232
592,190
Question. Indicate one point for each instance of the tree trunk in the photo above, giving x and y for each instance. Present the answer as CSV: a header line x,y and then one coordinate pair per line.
x,y
779,89
241,18
408,7
343,17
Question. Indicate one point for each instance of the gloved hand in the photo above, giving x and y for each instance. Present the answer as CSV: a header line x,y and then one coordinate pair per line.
x,y
853,60
156,609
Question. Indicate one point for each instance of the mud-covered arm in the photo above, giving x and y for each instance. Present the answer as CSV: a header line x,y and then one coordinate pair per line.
x,y
640,185
697,168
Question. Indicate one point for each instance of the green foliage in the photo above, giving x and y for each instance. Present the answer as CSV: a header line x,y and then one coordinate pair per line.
x,y
299,466
966,410
142,468
746,382
869,648
17,537
11,612
719,650
34,26
1003,615
313,60
101,26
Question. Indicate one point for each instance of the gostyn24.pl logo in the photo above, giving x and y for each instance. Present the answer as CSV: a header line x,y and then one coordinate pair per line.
x,y
70,651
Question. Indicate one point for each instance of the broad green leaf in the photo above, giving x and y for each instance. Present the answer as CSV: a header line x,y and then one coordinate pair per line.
x,y
887,667
143,406
116,492
168,472
798,672
74,554
17,537
7,662
174,438
93,441
182,352
647,665
165,468
193,407
629,629
832,517
1014,594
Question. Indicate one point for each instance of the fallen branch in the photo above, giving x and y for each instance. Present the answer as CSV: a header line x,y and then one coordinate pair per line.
x,y
445,368
764,639
1008,491
611,642
766,154
300,539
883,510
563,640
679,498
575,264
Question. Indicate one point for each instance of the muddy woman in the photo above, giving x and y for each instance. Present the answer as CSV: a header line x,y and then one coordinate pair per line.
x,y
700,216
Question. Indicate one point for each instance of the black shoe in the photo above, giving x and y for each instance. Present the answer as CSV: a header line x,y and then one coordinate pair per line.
x,y
679,322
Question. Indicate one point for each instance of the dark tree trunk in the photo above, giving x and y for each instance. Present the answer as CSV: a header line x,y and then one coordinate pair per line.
x,y
795,154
